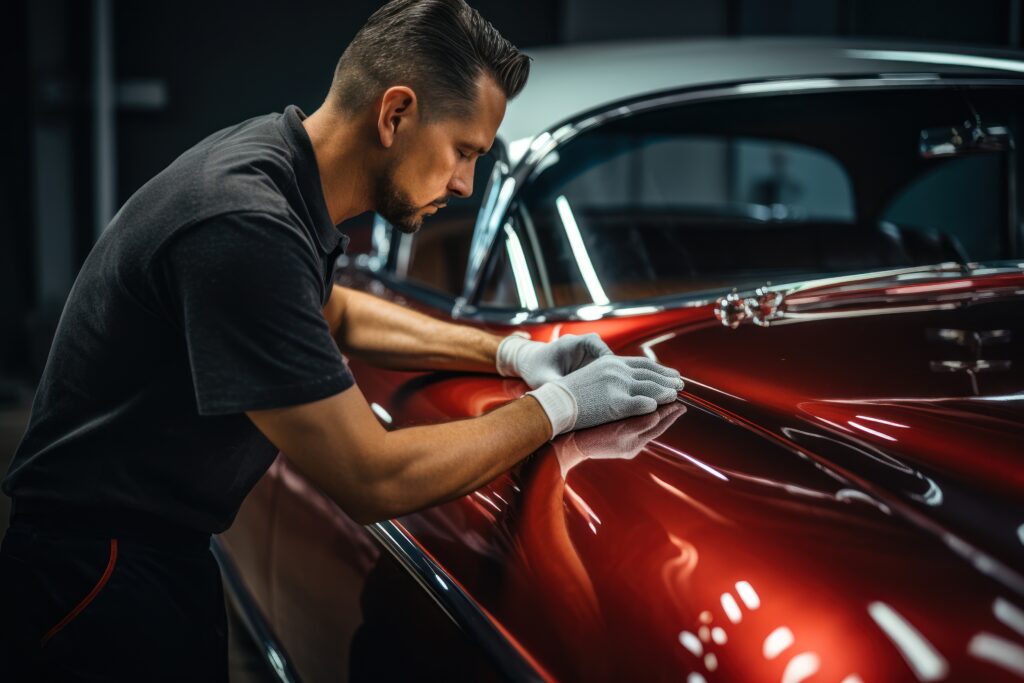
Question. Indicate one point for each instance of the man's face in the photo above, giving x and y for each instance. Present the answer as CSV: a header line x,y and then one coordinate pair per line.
x,y
434,161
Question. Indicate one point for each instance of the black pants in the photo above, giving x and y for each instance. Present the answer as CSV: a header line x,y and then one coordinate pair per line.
x,y
77,604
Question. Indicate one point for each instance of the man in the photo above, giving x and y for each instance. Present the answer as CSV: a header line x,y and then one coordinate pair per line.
x,y
203,334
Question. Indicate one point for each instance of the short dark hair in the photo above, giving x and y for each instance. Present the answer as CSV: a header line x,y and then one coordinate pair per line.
x,y
439,48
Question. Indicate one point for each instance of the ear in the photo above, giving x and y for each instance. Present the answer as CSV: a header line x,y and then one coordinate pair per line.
x,y
398,107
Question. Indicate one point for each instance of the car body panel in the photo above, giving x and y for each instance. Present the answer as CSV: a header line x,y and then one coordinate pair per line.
x,y
840,495
624,567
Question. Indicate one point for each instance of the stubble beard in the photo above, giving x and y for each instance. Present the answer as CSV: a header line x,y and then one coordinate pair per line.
x,y
394,206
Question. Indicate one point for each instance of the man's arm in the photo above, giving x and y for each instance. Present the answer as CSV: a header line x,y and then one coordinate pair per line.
x,y
390,336
374,474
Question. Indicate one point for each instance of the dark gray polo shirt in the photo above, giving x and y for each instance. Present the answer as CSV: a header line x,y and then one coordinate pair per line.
x,y
201,300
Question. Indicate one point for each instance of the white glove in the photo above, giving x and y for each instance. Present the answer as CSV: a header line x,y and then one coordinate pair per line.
x,y
539,362
619,441
610,388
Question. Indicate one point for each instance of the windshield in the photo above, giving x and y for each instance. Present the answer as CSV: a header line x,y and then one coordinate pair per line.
x,y
739,192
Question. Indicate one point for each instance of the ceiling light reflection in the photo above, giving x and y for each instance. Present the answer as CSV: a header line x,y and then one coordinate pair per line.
x,y
869,430
732,610
1009,614
748,595
707,468
520,270
998,651
718,635
579,251
379,411
801,667
645,348
922,657
691,643
777,642
940,58
884,422
592,312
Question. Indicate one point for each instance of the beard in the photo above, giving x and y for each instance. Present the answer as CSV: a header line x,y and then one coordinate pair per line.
x,y
394,205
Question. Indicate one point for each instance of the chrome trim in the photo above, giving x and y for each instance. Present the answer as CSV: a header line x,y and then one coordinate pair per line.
x,y
487,228
454,601
510,182
477,259
572,128
254,621
768,305
525,289
708,297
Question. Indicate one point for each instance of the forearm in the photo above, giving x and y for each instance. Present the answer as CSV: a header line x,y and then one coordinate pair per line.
x,y
390,336
424,466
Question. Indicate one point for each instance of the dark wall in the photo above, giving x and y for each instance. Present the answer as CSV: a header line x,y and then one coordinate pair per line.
x,y
985,22
225,61
15,216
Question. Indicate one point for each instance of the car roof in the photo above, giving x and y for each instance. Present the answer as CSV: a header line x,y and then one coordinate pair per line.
x,y
569,80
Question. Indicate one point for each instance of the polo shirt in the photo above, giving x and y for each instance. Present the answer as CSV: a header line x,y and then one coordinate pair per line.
x,y
202,300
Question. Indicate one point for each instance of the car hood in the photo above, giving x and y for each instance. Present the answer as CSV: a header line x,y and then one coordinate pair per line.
x,y
839,496
925,405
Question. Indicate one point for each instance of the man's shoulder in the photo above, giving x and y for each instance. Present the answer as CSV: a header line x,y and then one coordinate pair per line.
x,y
243,168
247,167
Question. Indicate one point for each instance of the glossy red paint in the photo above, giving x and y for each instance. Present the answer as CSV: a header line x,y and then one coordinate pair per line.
x,y
837,500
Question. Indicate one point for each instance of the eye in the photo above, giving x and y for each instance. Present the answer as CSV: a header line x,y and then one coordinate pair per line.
x,y
463,154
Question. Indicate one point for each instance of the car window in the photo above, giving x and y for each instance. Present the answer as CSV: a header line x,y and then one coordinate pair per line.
x,y
435,256
737,193
630,217
933,206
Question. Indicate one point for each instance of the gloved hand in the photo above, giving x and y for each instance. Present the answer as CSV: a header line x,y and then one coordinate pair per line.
x,y
619,441
610,388
539,362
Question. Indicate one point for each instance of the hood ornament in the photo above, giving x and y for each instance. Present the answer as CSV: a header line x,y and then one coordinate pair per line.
x,y
761,309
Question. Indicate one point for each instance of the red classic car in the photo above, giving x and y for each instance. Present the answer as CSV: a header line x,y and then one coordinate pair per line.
x,y
825,240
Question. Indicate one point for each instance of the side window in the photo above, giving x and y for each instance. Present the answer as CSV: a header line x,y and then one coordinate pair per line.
x,y
632,215
435,256
935,210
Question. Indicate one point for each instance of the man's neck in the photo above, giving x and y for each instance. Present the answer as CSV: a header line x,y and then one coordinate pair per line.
x,y
343,161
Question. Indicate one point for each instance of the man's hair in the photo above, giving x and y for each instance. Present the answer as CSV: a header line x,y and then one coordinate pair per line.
x,y
439,48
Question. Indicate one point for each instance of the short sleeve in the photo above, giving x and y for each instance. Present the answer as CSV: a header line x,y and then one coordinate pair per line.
x,y
246,289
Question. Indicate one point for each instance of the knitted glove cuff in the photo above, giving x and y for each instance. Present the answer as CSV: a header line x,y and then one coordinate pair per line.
x,y
505,359
559,405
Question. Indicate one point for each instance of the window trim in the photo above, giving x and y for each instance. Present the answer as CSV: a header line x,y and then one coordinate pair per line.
x,y
505,184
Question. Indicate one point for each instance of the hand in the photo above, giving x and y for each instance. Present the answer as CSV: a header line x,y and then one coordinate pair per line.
x,y
619,441
538,362
609,388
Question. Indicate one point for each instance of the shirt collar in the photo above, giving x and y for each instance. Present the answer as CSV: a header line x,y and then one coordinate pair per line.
x,y
307,174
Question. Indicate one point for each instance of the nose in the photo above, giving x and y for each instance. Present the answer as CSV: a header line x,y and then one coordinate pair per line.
x,y
461,183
